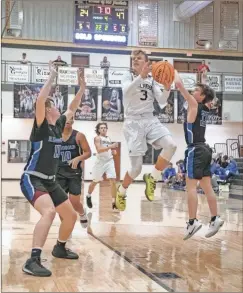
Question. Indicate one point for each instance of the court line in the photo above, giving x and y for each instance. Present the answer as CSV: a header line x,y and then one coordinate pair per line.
x,y
137,266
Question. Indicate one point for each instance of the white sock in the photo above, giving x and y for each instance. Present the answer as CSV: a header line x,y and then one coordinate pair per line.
x,y
122,189
62,241
156,174
88,195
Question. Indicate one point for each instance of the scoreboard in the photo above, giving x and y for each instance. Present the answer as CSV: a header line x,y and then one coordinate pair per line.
x,y
101,23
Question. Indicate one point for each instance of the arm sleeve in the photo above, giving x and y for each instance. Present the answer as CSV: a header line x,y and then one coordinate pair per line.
x,y
61,122
129,85
161,97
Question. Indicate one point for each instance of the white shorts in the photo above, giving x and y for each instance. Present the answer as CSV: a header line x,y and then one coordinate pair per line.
x,y
103,167
140,132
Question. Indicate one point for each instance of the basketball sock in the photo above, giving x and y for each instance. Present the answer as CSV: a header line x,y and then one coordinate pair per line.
x,y
36,252
61,243
156,174
88,195
213,218
122,189
191,221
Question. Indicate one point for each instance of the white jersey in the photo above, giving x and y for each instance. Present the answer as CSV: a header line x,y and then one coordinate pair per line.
x,y
139,95
105,141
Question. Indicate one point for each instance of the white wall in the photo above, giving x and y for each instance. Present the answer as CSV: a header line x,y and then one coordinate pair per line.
x,y
13,128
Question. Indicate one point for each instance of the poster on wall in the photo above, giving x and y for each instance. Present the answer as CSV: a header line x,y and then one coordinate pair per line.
x,y
189,80
17,73
18,151
112,104
40,74
94,77
116,77
214,81
165,113
67,75
25,96
148,23
233,83
87,110
215,113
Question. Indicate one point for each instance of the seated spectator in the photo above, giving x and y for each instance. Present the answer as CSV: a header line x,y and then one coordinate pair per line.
x,y
231,169
169,175
180,176
24,60
224,161
59,62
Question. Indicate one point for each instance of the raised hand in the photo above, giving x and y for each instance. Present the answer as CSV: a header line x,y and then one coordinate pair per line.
x,y
53,69
146,69
81,80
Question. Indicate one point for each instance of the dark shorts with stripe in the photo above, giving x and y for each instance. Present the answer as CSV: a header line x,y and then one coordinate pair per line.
x,y
34,187
70,182
197,161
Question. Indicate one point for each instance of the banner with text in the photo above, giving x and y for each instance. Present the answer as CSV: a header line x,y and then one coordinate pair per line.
x,y
214,81
67,75
17,73
233,84
87,110
189,80
112,104
116,77
215,113
94,77
41,74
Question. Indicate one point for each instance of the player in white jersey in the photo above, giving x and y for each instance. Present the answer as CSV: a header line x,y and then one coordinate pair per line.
x,y
141,127
104,163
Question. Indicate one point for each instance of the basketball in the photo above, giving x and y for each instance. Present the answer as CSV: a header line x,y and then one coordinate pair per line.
x,y
86,109
106,104
163,72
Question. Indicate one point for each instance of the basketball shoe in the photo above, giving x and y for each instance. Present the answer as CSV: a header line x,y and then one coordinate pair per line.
x,y
192,229
120,202
214,227
150,186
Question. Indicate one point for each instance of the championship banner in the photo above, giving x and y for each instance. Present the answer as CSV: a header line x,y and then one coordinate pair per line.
x,y
87,110
214,81
25,96
165,113
112,106
215,113
41,74
17,73
94,77
67,75
189,80
233,84
181,108
116,77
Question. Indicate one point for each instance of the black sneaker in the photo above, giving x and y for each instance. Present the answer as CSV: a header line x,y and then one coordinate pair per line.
x,y
63,252
34,267
89,202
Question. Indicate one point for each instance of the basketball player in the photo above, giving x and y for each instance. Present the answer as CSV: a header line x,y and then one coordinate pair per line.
x,y
141,127
104,163
38,182
74,150
198,156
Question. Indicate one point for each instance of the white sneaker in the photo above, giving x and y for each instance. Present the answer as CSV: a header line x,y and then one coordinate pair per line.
x,y
214,227
84,220
192,229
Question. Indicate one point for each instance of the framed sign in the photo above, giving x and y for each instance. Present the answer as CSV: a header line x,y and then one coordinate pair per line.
x,y
233,83
18,73
112,104
189,80
40,74
94,77
214,81
18,151
67,75
116,77
148,23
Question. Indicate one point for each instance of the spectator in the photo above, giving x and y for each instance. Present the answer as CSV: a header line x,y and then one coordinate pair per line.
x,y
105,64
203,69
24,60
59,62
180,176
169,175
231,169
224,161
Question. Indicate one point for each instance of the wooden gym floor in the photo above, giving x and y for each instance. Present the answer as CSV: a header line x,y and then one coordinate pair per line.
x,y
140,250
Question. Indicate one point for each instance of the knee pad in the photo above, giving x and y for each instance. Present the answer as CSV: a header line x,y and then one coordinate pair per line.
x,y
168,151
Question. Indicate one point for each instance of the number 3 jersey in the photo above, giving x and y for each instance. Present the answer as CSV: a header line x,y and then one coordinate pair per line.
x,y
69,150
139,95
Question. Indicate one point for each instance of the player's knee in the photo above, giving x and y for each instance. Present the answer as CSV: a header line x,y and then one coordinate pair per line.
x,y
112,181
50,213
168,151
135,171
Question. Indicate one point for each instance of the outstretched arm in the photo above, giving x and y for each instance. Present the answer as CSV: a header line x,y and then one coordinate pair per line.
x,y
192,103
43,95
76,101
101,149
